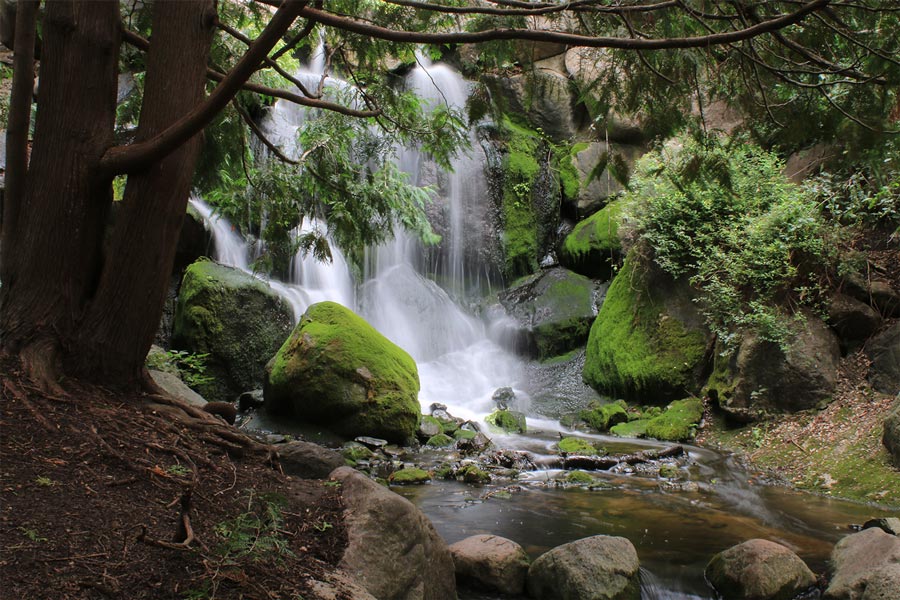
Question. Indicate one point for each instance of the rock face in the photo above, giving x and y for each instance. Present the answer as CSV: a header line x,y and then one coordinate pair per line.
x,y
857,561
648,340
853,320
603,170
307,460
884,352
392,550
760,377
891,436
336,370
884,584
489,562
235,318
759,570
554,308
596,568
593,247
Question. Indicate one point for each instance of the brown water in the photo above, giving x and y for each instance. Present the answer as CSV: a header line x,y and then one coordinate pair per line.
x,y
675,533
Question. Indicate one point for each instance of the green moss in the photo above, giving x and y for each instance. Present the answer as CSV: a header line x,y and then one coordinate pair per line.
x,y
605,416
444,471
521,169
668,471
464,434
410,475
578,478
439,441
429,426
337,370
356,452
449,426
679,421
574,445
593,247
635,348
569,177
506,421
472,474
631,429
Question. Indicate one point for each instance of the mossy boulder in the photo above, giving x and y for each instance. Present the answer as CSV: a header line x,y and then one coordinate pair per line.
x,y
678,423
554,309
631,429
574,445
506,421
440,440
234,318
593,247
649,339
472,474
604,416
410,475
761,377
578,478
336,370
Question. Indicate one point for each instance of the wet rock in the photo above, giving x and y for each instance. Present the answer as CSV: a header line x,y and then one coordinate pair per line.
x,y
175,387
595,568
371,442
429,427
604,416
477,444
234,318
472,474
853,320
884,352
886,524
574,445
506,421
307,460
440,440
356,452
392,551
554,308
503,398
491,563
250,400
518,460
410,475
338,371
759,570
856,561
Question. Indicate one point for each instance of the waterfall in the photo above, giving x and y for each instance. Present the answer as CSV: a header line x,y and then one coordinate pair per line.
x,y
459,365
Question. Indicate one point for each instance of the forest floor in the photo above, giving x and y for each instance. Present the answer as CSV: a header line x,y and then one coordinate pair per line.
x,y
119,495
836,451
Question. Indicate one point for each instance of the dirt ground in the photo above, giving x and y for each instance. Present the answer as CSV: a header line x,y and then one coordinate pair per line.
x,y
107,495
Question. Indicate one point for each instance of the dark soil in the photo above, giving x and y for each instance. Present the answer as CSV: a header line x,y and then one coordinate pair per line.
x,y
126,495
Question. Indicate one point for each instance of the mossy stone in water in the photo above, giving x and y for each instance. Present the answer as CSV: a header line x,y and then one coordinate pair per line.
x,y
574,445
578,478
234,318
631,429
472,474
440,440
507,421
410,475
678,422
648,340
605,416
464,434
336,370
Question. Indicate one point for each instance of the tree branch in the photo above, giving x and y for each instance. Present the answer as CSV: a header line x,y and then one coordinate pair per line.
x,y
262,136
355,26
138,156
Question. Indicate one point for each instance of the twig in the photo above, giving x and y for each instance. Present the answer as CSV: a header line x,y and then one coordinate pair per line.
x,y
21,397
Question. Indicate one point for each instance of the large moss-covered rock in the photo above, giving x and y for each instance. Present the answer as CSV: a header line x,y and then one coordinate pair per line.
x,y
678,423
760,377
648,340
336,370
235,318
593,247
554,308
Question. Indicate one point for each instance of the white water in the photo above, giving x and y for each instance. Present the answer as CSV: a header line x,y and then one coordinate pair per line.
x,y
459,364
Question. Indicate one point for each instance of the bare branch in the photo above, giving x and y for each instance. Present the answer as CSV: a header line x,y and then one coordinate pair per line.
x,y
262,136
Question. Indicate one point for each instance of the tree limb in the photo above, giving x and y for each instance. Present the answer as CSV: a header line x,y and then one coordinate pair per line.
x,y
262,136
138,156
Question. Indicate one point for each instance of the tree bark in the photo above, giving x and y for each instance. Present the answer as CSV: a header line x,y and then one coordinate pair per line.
x,y
51,271
124,314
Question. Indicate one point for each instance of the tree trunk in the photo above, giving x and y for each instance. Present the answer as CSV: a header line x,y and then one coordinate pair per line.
x,y
50,273
124,315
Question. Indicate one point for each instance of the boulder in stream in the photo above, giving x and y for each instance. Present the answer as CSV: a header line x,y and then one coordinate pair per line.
x,y
759,570
858,560
490,562
393,550
338,371
234,318
599,567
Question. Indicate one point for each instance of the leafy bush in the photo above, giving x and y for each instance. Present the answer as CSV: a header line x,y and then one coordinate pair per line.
x,y
722,214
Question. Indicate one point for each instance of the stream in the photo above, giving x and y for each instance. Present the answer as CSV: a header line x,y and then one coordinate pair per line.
x,y
464,357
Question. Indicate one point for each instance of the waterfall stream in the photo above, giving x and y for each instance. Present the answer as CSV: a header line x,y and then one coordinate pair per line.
x,y
461,363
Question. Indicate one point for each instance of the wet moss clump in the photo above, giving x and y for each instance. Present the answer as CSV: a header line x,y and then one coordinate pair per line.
x,y
574,445
440,440
578,478
521,170
472,474
593,247
506,421
603,417
678,423
410,475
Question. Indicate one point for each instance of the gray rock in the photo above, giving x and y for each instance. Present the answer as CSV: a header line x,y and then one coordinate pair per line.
x,y
884,352
759,570
250,400
856,561
475,445
338,586
392,551
602,169
876,292
760,377
884,584
490,562
174,386
554,308
308,461
503,397
886,524
891,436
595,568
851,319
